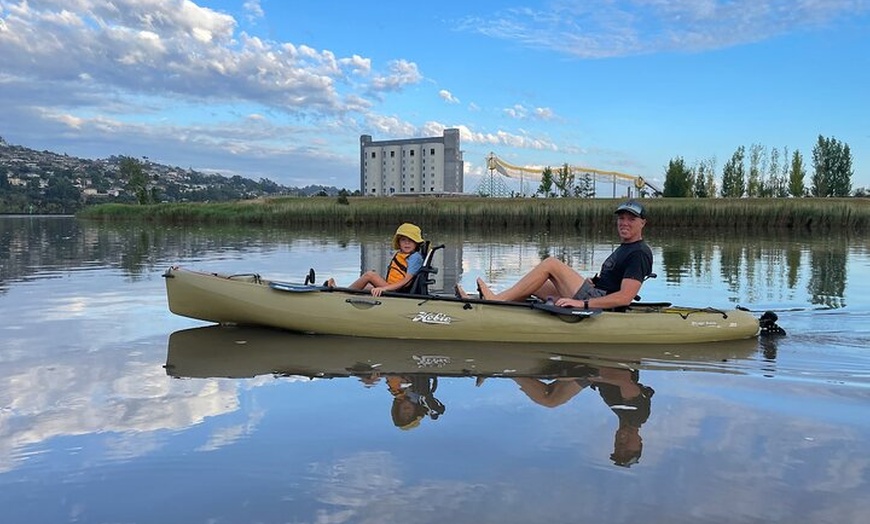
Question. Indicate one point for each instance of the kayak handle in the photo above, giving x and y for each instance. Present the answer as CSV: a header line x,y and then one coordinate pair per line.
x,y
362,303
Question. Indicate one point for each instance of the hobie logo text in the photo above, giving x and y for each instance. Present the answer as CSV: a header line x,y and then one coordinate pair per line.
x,y
432,318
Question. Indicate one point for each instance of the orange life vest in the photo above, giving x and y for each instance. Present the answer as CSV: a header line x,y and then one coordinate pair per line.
x,y
398,268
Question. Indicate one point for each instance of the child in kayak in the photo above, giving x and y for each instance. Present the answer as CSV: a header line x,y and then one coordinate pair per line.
x,y
405,264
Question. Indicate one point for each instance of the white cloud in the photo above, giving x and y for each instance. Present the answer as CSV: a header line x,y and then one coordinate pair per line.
x,y
448,97
505,138
520,112
402,73
633,27
253,10
132,47
544,113
517,111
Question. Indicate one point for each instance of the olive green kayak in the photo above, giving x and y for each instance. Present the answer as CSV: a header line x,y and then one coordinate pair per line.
x,y
249,299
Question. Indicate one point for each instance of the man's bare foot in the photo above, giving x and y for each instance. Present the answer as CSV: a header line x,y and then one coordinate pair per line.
x,y
459,292
483,289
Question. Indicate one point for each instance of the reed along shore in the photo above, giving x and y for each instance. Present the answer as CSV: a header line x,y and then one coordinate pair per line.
x,y
555,214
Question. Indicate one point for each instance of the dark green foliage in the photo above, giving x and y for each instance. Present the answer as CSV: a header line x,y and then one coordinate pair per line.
x,y
796,176
565,181
585,187
137,183
699,190
678,179
733,175
546,186
832,168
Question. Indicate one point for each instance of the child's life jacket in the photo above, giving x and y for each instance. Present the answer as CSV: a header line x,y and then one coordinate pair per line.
x,y
398,268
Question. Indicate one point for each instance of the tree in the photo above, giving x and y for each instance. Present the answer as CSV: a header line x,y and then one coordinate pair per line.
x,y
546,187
137,183
700,175
778,186
565,181
832,168
755,185
733,175
770,187
678,179
796,175
710,183
585,188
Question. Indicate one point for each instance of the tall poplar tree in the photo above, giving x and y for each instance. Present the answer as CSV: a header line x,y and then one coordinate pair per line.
x,y
832,168
796,175
733,175
546,186
699,190
755,185
132,171
565,181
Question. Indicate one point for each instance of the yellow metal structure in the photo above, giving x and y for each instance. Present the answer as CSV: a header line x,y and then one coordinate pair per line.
x,y
525,174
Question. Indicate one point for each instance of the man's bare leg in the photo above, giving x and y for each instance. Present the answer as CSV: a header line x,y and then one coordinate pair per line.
x,y
549,278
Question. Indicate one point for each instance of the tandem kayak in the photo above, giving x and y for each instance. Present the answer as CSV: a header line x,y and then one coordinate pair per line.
x,y
248,299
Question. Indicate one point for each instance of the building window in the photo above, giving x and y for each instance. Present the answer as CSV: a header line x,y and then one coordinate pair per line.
x,y
373,154
412,152
432,151
392,154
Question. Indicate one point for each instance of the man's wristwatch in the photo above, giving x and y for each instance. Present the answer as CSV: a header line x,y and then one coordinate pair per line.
x,y
586,304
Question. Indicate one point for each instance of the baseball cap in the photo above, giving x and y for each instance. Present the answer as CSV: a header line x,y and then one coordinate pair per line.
x,y
633,207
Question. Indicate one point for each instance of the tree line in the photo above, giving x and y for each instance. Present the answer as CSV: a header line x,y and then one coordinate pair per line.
x,y
763,173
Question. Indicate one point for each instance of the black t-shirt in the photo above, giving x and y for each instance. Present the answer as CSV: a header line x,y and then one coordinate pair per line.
x,y
633,411
633,260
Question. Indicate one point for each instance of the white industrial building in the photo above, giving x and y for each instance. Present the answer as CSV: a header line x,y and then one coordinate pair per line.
x,y
411,166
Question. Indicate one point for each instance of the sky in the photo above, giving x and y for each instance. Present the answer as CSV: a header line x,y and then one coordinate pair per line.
x,y
283,89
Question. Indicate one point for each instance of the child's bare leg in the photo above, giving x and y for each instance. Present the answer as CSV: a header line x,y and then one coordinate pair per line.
x,y
369,278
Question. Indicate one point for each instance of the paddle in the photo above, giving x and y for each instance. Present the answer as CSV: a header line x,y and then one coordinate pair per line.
x,y
566,314
295,288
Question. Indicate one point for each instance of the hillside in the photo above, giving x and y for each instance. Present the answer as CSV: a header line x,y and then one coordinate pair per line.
x,y
34,181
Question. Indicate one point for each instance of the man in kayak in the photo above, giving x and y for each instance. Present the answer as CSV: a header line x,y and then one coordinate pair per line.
x,y
616,285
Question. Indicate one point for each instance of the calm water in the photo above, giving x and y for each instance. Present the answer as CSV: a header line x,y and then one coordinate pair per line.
x,y
114,410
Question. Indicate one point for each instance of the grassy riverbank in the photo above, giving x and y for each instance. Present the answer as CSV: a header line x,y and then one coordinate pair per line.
x,y
799,214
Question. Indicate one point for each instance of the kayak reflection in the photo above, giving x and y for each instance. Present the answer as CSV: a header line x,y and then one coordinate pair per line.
x,y
242,352
550,375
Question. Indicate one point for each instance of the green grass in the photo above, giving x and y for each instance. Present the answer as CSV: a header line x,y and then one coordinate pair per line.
x,y
801,214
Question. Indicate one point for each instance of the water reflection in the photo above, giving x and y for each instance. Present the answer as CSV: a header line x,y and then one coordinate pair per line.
x,y
749,269
827,283
619,388
410,370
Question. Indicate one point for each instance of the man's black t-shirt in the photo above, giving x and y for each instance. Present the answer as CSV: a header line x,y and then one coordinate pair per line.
x,y
633,260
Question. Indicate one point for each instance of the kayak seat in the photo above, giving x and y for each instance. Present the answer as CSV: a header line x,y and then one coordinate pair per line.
x,y
420,284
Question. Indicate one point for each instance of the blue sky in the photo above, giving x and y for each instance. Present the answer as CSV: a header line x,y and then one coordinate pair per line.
x,y
282,90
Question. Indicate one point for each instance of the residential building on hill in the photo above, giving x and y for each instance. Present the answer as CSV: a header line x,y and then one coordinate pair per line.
x,y
411,166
